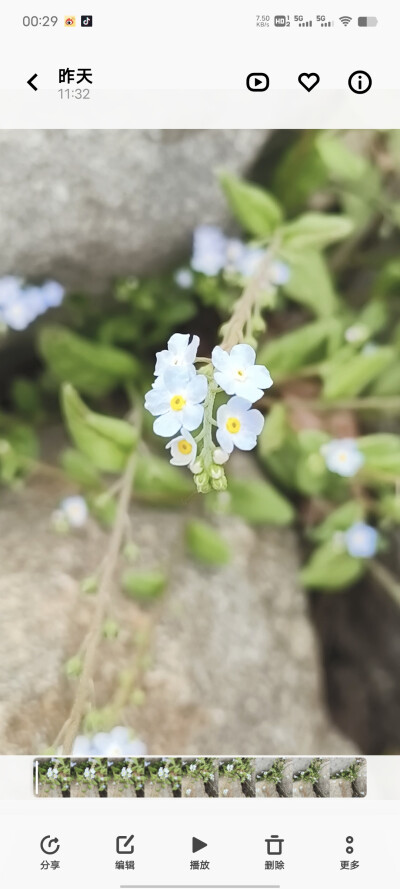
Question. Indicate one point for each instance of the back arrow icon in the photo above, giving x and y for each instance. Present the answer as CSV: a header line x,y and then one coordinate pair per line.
x,y
31,83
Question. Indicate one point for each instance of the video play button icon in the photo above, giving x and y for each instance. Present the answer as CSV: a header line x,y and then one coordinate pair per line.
x,y
257,82
197,845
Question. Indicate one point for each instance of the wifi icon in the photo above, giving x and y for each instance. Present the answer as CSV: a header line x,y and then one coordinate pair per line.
x,y
345,20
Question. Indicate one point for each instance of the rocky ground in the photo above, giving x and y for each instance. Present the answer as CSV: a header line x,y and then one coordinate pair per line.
x,y
233,661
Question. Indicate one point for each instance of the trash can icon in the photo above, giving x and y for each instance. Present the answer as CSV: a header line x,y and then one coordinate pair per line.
x,y
274,844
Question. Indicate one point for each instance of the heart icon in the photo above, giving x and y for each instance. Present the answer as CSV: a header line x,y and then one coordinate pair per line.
x,y
309,81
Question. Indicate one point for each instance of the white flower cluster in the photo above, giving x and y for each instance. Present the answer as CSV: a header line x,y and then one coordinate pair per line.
x,y
182,400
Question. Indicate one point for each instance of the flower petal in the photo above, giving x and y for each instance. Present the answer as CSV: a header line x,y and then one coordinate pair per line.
x,y
220,358
197,389
178,342
192,415
245,440
254,422
168,423
260,376
243,355
226,381
225,440
157,401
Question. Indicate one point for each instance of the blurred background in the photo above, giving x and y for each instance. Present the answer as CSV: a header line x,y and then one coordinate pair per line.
x,y
218,647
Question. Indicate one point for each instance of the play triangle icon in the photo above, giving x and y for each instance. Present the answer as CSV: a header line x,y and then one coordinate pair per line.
x,y
197,845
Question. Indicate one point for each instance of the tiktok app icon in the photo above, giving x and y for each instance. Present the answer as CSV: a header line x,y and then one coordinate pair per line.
x,y
86,21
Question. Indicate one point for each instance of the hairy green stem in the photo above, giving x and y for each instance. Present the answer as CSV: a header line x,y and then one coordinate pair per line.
x,y
257,286
71,727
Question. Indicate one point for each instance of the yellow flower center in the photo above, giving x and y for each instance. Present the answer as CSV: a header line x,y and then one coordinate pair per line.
x,y
185,447
177,402
232,425
342,456
240,374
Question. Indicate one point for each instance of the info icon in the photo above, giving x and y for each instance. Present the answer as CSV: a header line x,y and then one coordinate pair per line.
x,y
70,21
258,82
86,21
360,82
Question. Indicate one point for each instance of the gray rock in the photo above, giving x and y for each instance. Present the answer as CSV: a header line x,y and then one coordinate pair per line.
x,y
230,787
340,788
152,790
84,206
234,661
267,790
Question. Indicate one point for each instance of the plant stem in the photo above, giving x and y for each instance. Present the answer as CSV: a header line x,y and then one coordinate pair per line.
x,y
71,726
386,579
255,288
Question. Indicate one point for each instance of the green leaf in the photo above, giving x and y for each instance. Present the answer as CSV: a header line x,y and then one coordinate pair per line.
x,y
93,368
80,468
26,397
342,163
144,585
300,173
276,432
339,520
388,383
106,441
310,283
352,377
315,231
259,503
381,452
306,345
256,210
205,544
390,507
331,569
157,481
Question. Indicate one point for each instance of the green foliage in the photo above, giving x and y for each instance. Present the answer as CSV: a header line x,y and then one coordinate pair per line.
x,y
144,585
259,503
94,369
330,568
315,231
274,774
156,481
310,283
257,211
205,544
106,441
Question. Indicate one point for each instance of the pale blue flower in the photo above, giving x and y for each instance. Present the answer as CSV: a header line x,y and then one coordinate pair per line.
x,y
184,278
229,767
209,250
118,742
193,767
361,540
181,352
21,304
280,272
342,456
247,260
75,510
238,425
237,373
176,401
183,449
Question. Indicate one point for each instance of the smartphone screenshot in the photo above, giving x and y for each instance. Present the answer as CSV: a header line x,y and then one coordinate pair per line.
x,y
199,445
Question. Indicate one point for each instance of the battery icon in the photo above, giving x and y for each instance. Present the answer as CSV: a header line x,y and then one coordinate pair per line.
x,y
367,21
